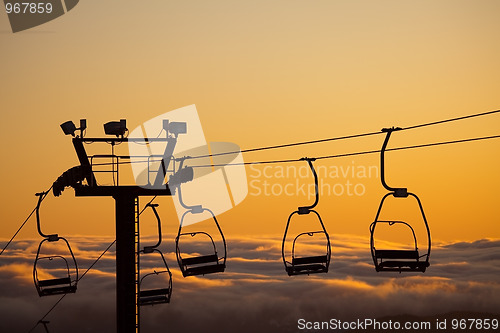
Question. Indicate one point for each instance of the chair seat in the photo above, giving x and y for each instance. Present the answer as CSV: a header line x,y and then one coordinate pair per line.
x,y
309,260
397,254
399,266
57,291
154,300
306,269
154,292
200,260
154,296
202,270
54,282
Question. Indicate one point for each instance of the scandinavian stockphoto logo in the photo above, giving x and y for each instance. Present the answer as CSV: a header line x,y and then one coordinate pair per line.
x,y
25,14
219,180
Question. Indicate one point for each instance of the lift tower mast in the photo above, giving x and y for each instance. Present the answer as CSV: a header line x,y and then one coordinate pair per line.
x,y
126,203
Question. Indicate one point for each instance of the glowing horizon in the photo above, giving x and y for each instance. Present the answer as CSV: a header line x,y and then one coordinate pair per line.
x,y
265,73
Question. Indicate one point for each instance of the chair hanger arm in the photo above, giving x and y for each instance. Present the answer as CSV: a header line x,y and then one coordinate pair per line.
x,y
398,191
306,209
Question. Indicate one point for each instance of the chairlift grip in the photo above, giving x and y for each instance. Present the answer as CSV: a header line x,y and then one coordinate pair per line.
x,y
400,192
52,237
149,249
195,209
306,209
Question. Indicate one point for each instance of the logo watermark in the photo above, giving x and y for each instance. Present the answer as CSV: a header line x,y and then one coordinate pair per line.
x,y
219,177
369,324
293,180
363,324
25,14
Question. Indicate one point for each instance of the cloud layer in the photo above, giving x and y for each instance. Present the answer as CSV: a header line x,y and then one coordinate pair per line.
x,y
255,294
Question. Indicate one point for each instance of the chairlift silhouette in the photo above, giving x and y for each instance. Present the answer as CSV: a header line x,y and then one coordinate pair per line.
x,y
152,296
398,260
303,264
200,264
66,278
44,323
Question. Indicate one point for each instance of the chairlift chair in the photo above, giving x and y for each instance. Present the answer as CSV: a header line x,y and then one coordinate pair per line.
x,y
67,276
297,265
154,296
398,260
200,264
44,323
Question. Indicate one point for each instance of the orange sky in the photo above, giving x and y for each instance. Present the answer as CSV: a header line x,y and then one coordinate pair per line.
x,y
262,73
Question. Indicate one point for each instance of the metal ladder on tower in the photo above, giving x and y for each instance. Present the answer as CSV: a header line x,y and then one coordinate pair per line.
x,y
137,267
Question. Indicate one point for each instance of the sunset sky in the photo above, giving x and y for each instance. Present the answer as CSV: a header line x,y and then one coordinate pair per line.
x,y
263,73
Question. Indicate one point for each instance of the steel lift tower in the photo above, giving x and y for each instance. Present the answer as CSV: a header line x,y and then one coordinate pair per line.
x,y
83,180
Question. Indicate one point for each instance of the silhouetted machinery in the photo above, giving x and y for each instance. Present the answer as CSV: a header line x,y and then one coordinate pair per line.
x,y
296,264
60,272
398,260
133,288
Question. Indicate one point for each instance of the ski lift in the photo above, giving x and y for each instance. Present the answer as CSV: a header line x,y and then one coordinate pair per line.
x,y
201,264
66,279
44,323
152,296
398,260
299,264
